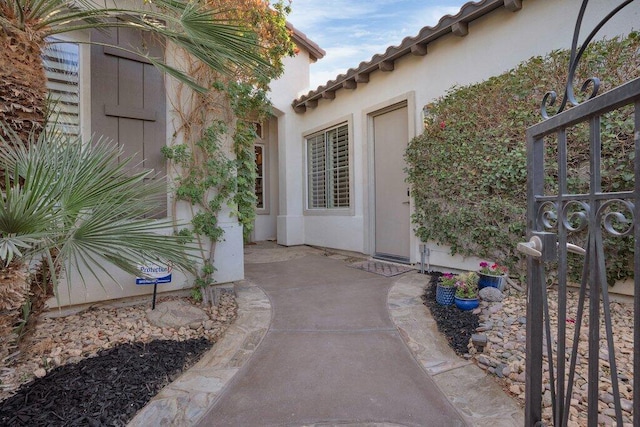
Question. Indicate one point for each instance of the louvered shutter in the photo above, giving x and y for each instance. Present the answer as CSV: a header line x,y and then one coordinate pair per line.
x,y
328,169
61,64
317,169
338,174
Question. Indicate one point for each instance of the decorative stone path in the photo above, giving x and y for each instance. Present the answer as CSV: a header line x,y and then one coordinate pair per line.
x,y
476,397
185,401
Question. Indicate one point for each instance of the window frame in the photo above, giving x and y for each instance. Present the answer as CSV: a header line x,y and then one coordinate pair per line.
x,y
265,180
325,129
81,38
61,88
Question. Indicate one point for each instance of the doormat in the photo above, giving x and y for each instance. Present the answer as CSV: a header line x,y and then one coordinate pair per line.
x,y
381,268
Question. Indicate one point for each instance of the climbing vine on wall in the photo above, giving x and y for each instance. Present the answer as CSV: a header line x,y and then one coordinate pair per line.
x,y
208,182
246,100
468,168
211,157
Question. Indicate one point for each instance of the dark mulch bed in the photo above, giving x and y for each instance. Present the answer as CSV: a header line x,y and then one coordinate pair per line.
x,y
453,323
105,390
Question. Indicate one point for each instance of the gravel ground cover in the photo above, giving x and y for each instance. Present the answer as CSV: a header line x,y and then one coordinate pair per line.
x,y
99,366
504,324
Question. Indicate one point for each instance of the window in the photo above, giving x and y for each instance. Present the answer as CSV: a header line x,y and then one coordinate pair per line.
x,y
328,169
259,149
258,128
61,64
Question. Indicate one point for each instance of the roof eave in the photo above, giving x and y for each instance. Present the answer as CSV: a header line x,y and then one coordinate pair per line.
x,y
457,24
301,40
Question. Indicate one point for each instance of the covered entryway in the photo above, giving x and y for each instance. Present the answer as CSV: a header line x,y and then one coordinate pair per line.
x,y
392,216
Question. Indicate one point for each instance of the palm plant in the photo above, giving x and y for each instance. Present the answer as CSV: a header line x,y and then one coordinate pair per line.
x,y
73,204
78,207
189,24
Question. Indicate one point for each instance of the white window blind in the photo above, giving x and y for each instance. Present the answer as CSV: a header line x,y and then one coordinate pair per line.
x,y
328,169
61,64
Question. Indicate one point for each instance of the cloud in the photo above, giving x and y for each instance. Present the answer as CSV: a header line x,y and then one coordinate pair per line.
x,y
316,14
351,32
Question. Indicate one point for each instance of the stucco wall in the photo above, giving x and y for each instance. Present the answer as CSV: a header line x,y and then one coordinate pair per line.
x,y
228,258
295,80
229,253
495,43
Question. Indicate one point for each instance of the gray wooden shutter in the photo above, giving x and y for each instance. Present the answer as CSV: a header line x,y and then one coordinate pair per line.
x,y
128,98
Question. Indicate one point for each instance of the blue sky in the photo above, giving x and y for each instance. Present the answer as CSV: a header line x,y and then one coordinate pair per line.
x,y
354,31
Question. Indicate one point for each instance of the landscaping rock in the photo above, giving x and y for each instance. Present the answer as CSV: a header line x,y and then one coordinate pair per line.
x,y
485,326
175,314
491,294
504,327
495,308
60,339
479,341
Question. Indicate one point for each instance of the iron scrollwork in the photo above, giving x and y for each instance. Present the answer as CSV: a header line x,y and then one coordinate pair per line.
x,y
550,97
590,217
548,216
616,216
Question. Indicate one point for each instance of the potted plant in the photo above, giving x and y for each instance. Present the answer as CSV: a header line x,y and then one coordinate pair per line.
x,y
446,288
493,275
466,296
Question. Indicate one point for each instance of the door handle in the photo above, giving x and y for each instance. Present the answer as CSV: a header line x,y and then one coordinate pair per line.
x,y
532,248
405,203
576,249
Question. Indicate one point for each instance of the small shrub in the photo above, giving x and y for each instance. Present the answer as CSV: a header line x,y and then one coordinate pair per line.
x,y
468,168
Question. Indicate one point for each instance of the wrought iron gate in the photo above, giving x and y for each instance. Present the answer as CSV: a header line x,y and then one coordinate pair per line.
x,y
555,215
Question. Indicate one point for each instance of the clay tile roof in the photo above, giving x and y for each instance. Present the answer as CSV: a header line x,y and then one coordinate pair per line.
x,y
456,24
301,40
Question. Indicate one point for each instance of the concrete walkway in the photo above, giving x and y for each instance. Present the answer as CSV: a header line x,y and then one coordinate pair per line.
x,y
322,344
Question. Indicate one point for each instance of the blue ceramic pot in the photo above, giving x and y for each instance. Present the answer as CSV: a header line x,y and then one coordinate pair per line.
x,y
445,294
486,280
467,303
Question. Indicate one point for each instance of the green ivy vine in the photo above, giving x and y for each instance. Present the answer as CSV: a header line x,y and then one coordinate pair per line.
x,y
210,179
468,168
215,166
208,183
